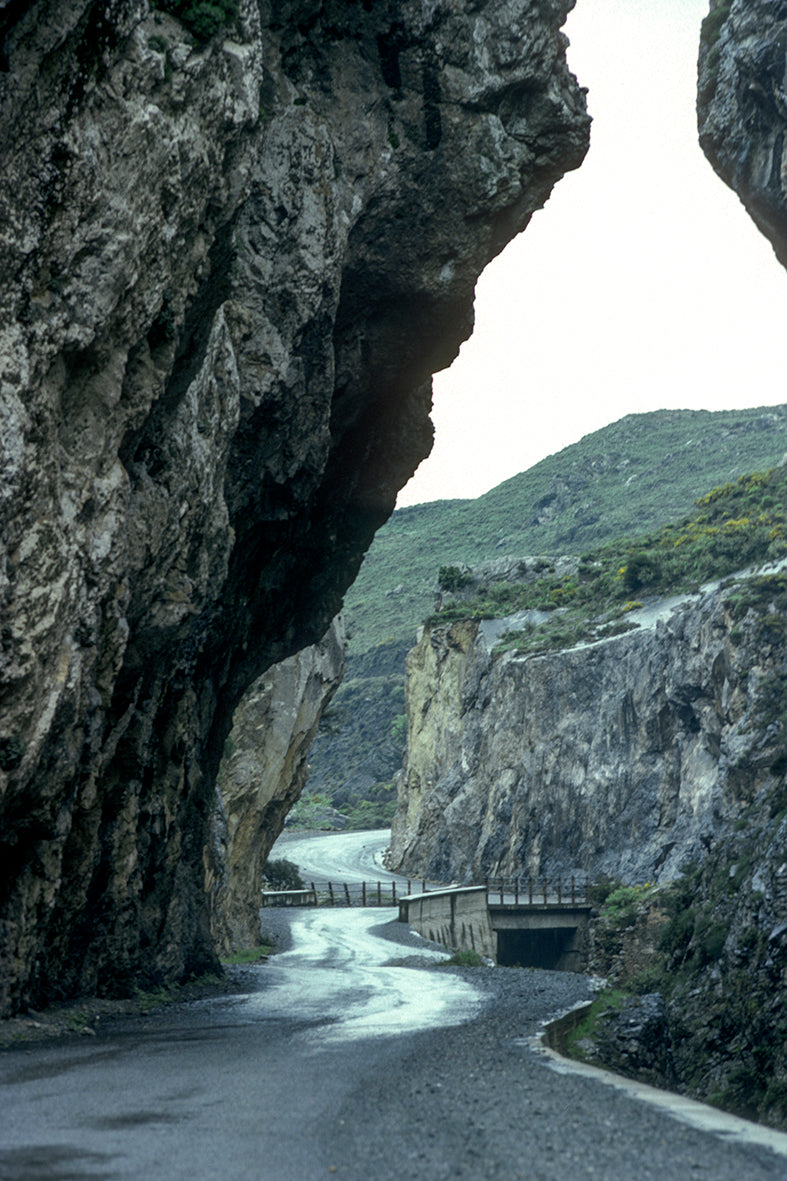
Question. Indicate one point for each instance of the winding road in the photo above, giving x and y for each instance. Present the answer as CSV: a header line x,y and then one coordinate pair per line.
x,y
353,1053
340,856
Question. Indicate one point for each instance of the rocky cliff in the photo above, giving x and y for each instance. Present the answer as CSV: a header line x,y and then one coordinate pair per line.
x,y
655,756
262,774
626,757
229,267
742,107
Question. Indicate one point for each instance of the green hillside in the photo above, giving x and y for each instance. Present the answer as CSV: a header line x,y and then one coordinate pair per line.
x,y
632,477
635,475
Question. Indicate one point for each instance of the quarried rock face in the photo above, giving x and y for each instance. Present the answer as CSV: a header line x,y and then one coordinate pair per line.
x,y
626,757
741,110
262,775
228,271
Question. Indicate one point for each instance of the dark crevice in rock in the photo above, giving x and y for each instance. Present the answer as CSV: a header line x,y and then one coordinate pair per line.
x,y
11,12
144,447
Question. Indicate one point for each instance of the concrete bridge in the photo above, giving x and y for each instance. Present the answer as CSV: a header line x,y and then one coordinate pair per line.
x,y
512,928
533,926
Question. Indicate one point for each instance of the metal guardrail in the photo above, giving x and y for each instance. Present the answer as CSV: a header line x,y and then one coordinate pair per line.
x,y
499,892
537,892
329,893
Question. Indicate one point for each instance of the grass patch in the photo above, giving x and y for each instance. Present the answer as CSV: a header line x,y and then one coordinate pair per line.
x,y
466,959
609,1001
78,1022
248,955
146,999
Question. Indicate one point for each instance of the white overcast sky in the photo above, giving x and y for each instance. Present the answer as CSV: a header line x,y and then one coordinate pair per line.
x,y
642,284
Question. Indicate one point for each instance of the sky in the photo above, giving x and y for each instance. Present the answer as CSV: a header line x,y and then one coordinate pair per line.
x,y
642,285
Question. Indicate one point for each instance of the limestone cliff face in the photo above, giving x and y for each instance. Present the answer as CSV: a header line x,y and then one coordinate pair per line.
x,y
742,107
626,757
228,271
262,775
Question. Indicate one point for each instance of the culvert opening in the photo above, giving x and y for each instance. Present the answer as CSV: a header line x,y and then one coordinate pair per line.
x,y
535,949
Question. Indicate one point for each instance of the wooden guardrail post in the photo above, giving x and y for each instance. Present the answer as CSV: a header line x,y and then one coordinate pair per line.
x,y
501,891
573,892
347,894
363,893
408,886
423,886
545,891
516,891
530,891
379,893
394,891
330,891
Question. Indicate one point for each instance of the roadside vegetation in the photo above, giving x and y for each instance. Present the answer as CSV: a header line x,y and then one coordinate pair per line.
x,y
248,955
281,874
710,943
463,959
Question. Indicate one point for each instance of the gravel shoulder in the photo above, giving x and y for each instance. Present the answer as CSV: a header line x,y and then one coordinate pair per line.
x,y
477,1101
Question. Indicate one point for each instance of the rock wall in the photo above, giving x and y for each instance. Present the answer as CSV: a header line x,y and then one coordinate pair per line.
x,y
627,757
262,775
228,271
728,1013
741,108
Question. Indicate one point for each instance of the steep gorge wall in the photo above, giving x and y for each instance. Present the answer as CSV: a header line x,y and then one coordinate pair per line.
x,y
228,271
627,757
262,774
655,756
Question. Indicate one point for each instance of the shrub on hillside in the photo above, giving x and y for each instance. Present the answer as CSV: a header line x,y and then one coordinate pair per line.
x,y
202,18
451,578
282,874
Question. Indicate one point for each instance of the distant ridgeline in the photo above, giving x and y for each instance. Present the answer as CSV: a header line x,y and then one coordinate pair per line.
x,y
638,474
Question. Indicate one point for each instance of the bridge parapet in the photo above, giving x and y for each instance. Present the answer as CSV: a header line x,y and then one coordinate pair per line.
x,y
456,916
510,927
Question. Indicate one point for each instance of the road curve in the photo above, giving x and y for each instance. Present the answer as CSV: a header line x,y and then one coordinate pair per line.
x,y
338,856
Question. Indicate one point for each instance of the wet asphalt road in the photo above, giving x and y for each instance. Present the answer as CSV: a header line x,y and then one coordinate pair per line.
x,y
273,1085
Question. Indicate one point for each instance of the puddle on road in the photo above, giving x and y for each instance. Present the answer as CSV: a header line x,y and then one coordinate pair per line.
x,y
340,976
